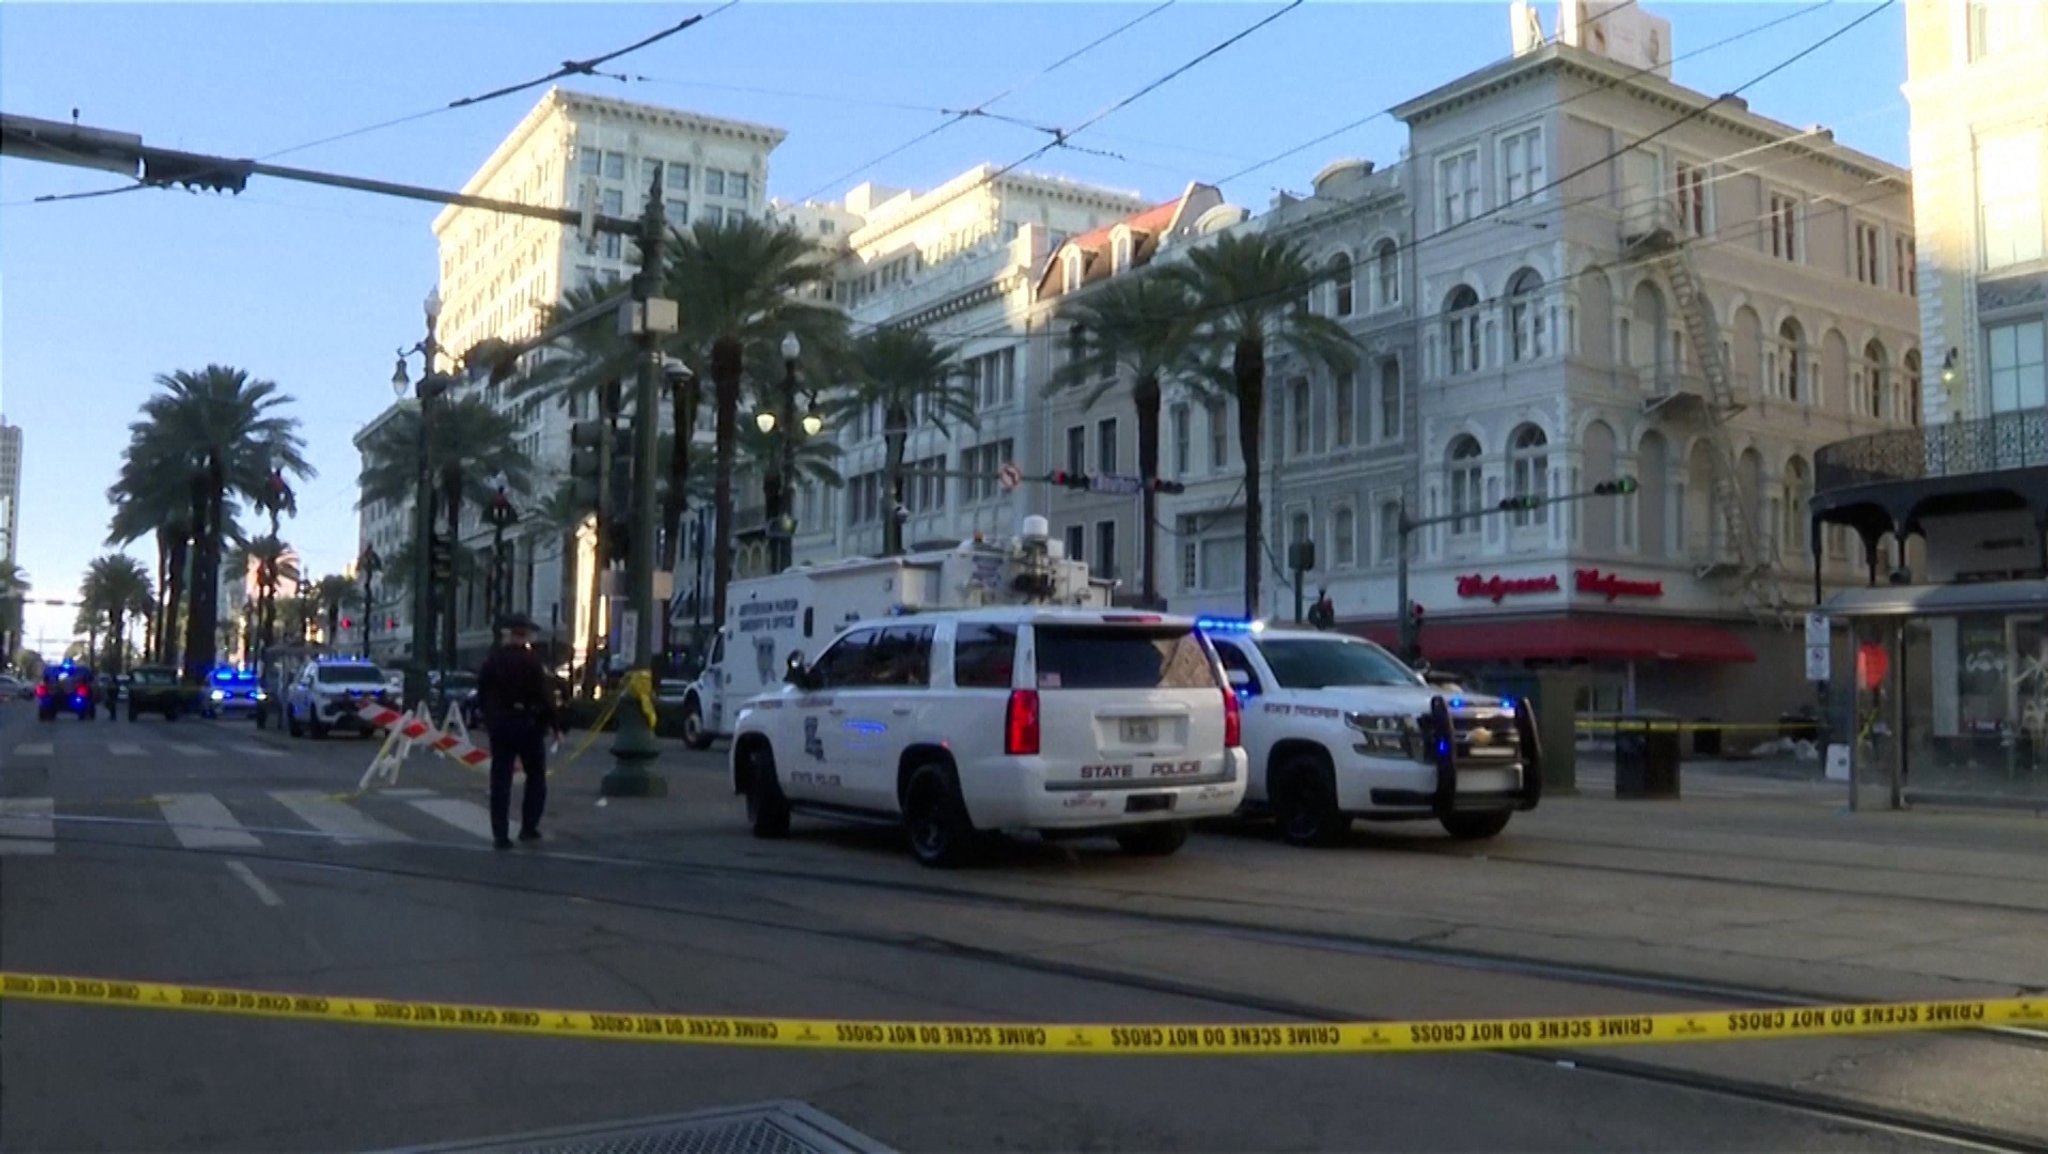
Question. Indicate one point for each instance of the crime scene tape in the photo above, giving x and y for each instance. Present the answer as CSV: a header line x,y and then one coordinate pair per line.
x,y
878,1036
1688,726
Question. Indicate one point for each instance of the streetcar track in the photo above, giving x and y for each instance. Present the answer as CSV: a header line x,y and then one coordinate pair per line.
x,y
1871,1117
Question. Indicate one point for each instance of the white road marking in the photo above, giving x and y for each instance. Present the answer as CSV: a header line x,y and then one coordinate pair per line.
x,y
336,819
28,825
254,750
36,749
467,816
125,748
405,792
263,893
202,821
189,749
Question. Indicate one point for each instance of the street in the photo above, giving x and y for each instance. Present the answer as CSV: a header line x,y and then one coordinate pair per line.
x,y
259,872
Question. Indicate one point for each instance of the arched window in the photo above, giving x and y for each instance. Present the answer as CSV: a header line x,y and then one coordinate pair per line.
x,y
1120,250
1909,366
1070,273
1461,320
1791,361
1389,532
1386,266
1340,285
1877,380
1344,536
1525,315
1798,491
1465,478
1529,466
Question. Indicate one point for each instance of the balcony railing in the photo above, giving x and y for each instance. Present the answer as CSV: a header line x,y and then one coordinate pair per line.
x,y
1989,444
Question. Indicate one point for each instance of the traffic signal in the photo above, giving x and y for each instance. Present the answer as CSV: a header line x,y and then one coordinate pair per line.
x,y
1415,610
1528,503
1619,487
1301,556
586,441
618,538
1068,480
348,623
161,166
1161,485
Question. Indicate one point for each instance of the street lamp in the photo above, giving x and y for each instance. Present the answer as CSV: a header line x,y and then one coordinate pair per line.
x,y
431,385
782,529
500,516
370,564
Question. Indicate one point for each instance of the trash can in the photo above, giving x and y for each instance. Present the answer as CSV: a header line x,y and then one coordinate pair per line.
x,y
1645,758
1706,738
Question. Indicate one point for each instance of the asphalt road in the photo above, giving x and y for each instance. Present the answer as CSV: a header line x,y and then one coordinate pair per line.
x,y
255,875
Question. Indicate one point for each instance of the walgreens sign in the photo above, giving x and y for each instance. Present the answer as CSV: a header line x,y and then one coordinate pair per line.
x,y
1592,582
1477,587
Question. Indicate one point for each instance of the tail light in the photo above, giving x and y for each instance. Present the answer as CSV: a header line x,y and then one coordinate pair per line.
x,y
1233,720
1020,727
42,691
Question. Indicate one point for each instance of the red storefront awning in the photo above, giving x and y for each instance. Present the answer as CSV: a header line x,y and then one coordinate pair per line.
x,y
1573,638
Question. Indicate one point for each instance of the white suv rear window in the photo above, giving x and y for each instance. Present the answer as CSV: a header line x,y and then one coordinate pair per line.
x,y
1121,657
350,675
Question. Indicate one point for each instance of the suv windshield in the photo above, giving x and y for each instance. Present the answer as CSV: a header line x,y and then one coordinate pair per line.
x,y
1301,663
350,675
1121,657
155,677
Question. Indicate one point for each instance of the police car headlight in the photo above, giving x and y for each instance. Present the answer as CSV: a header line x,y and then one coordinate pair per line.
x,y
219,695
1384,735
262,696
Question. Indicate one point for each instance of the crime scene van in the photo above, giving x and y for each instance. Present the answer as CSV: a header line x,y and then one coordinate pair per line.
x,y
799,611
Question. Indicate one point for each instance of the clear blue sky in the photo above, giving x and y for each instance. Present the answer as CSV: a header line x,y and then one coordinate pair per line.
x,y
316,289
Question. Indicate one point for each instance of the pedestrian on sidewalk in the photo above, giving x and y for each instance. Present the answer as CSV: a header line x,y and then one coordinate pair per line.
x,y
518,701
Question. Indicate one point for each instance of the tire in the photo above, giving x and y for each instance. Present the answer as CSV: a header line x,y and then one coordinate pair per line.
x,y
694,733
941,834
1476,826
172,714
1160,839
767,808
319,731
1304,802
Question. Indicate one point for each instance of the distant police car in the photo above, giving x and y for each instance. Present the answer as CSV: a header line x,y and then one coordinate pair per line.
x,y
328,695
958,724
231,691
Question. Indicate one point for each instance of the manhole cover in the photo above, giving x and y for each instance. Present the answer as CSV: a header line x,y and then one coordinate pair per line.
x,y
768,1128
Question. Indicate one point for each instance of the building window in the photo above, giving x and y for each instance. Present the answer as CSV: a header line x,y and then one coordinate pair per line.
x,y
1521,165
612,246
1784,226
714,182
1797,496
1530,453
1905,266
1909,371
1390,532
2016,355
1344,409
588,161
1386,265
1997,26
1190,565
736,185
1877,371
1693,199
678,178
712,214
1344,536
1458,187
613,203
650,171
1077,536
1340,285
1525,315
1070,270
1462,329
1390,400
615,166
1219,436
1120,250
1465,478
1105,445
1302,409
1869,270
2009,188
1183,423
1077,449
1105,549
1791,361
678,212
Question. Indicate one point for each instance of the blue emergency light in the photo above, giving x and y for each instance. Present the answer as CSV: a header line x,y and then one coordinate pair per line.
x,y
1228,625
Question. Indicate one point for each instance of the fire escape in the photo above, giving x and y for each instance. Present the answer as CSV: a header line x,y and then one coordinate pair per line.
x,y
1651,237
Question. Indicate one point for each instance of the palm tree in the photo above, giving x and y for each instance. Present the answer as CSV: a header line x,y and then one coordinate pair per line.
x,y
149,499
910,376
274,562
1144,325
331,593
13,587
222,428
740,284
115,587
1251,295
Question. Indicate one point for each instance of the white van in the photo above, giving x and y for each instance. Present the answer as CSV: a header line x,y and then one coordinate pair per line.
x,y
960,724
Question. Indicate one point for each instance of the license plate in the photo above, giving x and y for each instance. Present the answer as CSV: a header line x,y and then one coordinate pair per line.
x,y
1139,730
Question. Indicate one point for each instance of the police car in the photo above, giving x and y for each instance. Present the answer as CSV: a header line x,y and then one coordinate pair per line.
x,y
231,691
957,724
328,695
1337,729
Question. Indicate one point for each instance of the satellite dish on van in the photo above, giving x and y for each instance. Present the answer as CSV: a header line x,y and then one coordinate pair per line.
x,y
1036,528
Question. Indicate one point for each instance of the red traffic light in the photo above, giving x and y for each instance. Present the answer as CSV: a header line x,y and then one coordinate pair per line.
x,y
1415,609
348,623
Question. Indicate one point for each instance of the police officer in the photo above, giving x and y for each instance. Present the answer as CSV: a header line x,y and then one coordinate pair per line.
x,y
518,700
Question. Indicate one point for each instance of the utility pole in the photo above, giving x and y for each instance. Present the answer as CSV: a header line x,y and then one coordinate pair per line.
x,y
651,317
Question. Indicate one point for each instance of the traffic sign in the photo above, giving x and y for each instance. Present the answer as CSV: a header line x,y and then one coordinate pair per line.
x,y
1009,476
1115,483
1819,663
1816,630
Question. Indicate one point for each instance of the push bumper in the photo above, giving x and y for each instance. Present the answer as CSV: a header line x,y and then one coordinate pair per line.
x,y
1443,797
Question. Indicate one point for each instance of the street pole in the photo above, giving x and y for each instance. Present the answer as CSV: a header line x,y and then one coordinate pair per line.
x,y
423,513
785,466
451,495
1403,527
634,748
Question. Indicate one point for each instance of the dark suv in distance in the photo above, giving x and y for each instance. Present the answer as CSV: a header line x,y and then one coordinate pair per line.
x,y
66,688
155,689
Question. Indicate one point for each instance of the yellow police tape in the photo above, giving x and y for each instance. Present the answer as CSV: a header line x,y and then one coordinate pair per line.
x,y
1043,1037
1691,726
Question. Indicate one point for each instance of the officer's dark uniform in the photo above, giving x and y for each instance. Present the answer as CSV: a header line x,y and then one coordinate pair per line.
x,y
518,700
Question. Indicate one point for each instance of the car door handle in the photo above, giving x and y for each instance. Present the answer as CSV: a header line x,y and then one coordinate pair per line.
x,y
901,711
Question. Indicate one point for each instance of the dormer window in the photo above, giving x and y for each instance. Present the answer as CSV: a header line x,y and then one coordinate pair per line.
x,y
1070,271
1119,250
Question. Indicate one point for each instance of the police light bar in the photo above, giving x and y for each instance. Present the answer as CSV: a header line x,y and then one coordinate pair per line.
x,y
1229,625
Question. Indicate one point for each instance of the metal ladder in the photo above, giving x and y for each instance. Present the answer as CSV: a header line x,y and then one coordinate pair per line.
x,y
1761,592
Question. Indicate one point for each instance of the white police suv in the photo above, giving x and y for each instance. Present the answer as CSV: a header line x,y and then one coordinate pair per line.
x,y
1337,728
329,694
959,724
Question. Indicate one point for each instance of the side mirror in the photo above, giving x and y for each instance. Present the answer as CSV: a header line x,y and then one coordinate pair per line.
x,y
794,671
1240,681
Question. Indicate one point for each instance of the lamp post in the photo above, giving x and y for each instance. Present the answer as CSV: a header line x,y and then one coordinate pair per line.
x,y
782,530
370,564
431,386
501,516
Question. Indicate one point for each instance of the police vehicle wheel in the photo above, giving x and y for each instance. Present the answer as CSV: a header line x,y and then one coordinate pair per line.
x,y
1304,798
292,728
1476,826
767,809
941,835
1160,839
694,734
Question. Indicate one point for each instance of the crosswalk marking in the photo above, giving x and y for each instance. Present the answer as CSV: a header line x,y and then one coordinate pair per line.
x,y
201,821
124,749
255,750
467,816
188,749
336,819
28,825
36,749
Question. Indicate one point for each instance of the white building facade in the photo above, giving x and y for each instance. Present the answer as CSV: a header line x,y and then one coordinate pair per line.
x,y
10,490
